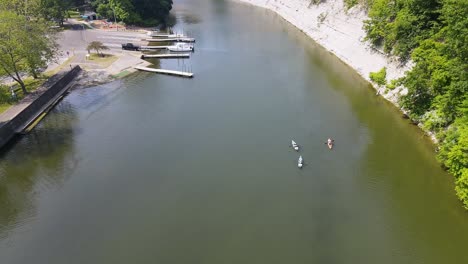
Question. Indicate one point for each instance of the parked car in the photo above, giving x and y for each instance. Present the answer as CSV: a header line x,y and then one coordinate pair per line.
x,y
130,46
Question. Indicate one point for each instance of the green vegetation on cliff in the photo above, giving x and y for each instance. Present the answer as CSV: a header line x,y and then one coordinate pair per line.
x,y
434,35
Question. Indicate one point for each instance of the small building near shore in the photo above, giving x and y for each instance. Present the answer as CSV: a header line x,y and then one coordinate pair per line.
x,y
90,16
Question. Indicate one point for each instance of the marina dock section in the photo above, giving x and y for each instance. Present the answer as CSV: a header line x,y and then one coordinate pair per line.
x,y
153,47
168,72
170,40
166,56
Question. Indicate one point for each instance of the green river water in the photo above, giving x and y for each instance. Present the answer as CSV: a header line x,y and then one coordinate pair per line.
x,y
159,169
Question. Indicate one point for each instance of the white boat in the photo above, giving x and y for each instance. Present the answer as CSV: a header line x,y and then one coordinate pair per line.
x,y
181,47
294,145
299,162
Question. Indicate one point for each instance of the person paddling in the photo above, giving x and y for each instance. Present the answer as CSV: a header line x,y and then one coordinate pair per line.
x,y
330,143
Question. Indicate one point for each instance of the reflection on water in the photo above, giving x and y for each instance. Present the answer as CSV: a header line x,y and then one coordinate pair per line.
x,y
155,168
44,158
190,19
38,161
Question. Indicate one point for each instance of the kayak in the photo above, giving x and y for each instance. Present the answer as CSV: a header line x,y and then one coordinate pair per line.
x,y
294,145
299,162
330,143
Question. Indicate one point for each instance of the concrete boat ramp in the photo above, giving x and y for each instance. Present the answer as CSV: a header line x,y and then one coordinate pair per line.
x,y
168,72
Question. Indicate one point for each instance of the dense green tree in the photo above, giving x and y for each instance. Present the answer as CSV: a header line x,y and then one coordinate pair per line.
x,y
77,3
434,33
26,45
399,25
12,50
97,46
55,9
461,187
30,8
153,10
42,47
145,12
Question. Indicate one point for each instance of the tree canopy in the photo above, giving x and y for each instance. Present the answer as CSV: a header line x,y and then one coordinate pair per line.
x,y
97,46
27,41
143,12
55,9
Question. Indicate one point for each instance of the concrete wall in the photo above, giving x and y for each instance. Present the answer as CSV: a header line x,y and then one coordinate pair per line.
x,y
8,130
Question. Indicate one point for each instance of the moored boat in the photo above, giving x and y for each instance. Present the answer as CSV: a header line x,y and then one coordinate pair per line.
x,y
181,47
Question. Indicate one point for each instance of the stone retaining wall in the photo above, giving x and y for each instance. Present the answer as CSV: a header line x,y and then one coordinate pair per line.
x,y
35,108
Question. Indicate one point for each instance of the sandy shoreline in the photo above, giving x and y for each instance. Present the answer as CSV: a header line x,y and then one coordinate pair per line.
x,y
340,32
122,67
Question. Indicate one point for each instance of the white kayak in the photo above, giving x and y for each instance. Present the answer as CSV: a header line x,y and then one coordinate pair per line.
x,y
294,145
299,162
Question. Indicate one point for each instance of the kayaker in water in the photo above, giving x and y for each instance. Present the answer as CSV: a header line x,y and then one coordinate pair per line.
x,y
330,143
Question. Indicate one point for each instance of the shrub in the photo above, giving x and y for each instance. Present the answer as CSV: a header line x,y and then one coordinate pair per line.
x,y
379,77
461,187
322,17
350,3
314,2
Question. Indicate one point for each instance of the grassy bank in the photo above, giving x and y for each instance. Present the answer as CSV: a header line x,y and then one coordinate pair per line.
x,y
6,99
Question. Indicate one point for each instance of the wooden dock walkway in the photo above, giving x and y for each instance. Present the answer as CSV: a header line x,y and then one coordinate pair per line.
x,y
168,36
170,40
166,56
168,72
153,47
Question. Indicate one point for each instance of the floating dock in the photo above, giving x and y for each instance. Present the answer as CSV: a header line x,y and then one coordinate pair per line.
x,y
166,56
168,72
170,40
153,47
162,35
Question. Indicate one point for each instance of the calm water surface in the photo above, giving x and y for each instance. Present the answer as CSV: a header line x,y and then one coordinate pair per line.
x,y
158,169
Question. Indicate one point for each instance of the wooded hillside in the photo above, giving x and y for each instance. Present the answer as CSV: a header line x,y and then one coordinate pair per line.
x,y
434,35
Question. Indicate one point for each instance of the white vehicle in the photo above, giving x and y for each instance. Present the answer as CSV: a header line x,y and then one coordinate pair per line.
x,y
181,47
294,145
299,162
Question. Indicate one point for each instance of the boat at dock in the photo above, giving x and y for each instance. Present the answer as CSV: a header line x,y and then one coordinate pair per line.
x,y
181,47
294,145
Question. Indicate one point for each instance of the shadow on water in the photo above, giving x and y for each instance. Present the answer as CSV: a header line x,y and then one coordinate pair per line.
x,y
155,63
188,18
40,159
170,21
